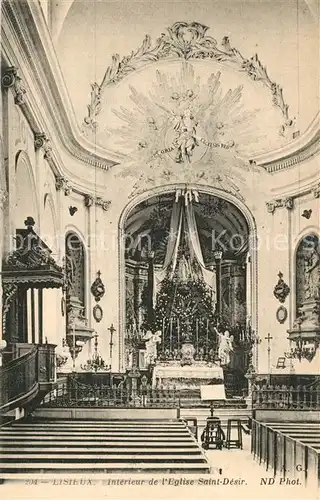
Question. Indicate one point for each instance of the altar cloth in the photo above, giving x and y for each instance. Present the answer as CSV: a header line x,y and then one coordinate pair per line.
x,y
186,376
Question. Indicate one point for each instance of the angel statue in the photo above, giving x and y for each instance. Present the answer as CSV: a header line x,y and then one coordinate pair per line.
x,y
185,126
225,347
181,116
152,339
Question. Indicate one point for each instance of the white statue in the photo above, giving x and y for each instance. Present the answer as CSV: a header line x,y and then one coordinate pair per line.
x,y
225,347
311,272
152,339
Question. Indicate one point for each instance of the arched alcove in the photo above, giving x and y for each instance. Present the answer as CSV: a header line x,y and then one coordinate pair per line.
x,y
307,266
242,217
26,203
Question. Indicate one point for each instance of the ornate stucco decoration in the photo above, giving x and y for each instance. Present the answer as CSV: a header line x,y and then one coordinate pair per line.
x,y
62,184
11,79
280,203
90,201
30,265
41,141
281,290
301,149
223,182
97,288
186,41
31,262
316,191
9,291
183,130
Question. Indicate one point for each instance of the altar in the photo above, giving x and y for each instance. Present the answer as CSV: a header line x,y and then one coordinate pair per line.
x,y
171,374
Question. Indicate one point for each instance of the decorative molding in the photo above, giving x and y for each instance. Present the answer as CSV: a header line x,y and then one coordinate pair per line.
x,y
41,141
281,314
11,79
29,46
97,288
316,190
300,149
3,198
281,290
280,203
97,313
9,291
187,41
62,184
89,201
307,214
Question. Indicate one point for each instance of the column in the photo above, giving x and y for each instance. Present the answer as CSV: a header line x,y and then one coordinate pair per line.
x,y
3,197
218,259
239,295
40,315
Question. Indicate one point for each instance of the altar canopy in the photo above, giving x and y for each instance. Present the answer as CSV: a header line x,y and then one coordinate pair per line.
x,y
183,223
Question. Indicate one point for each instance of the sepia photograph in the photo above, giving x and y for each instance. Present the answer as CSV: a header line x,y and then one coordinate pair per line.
x,y
160,249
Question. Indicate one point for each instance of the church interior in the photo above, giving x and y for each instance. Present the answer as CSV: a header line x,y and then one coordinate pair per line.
x,y
159,245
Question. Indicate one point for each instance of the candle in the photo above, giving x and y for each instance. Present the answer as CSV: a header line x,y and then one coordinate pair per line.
x,y
178,332
163,331
171,320
197,332
207,330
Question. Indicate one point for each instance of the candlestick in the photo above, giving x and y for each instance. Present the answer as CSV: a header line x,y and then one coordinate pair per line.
x,y
163,332
171,319
74,347
197,332
178,332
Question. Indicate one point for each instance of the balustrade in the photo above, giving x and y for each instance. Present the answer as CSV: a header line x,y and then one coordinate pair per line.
x,y
286,397
74,394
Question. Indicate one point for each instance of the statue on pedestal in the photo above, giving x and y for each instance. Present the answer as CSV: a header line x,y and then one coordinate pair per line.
x,y
311,271
152,339
225,347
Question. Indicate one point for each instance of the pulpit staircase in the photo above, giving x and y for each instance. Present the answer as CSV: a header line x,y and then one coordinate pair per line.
x,y
33,446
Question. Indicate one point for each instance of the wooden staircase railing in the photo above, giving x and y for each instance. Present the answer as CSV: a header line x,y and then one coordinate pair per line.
x,y
23,378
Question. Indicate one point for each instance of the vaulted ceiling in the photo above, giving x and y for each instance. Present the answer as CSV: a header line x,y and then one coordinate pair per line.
x,y
218,221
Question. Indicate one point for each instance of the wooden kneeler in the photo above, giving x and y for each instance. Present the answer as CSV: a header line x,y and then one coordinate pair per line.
x,y
213,434
234,424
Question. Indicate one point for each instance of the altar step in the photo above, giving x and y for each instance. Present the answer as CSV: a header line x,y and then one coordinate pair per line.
x,y
102,446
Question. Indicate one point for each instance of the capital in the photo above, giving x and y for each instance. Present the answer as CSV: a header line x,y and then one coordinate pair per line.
x,y
89,201
279,203
41,141
316,191
11,79
62,184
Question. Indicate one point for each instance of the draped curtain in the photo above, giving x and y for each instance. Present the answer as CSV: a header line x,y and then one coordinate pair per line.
x,y
183,211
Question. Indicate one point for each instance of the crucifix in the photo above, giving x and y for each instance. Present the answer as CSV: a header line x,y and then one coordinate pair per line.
x,y
111,330
269,338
